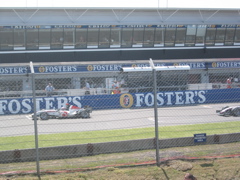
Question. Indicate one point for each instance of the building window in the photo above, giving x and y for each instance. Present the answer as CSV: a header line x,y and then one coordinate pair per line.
x,y
32,39
180,36
127,37
115,37
81,38
69,39
237,37
148,37
137,37
220,36
170,36
104,38
200,36
191,35
92,41
210,36
159,37
44,38
57,39
6,39
229,36
19,39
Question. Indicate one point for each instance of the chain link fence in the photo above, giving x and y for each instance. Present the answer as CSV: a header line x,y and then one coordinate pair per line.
x,y
89,114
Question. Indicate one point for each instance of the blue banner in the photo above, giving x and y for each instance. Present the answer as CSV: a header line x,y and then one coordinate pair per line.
x,y
51,69
118,101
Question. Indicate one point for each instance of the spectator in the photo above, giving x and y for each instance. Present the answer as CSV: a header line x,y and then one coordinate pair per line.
x,y
87,88
229,82
116,91
87,85
189,176
114,85
49,90
115,88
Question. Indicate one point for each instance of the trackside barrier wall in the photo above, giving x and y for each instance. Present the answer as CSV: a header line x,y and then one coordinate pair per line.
x,y
74,151
125,100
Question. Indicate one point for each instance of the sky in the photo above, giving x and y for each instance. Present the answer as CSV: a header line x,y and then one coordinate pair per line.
x,y
222,4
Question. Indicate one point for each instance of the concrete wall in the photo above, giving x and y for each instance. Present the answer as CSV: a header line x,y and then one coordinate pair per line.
x,y
72,151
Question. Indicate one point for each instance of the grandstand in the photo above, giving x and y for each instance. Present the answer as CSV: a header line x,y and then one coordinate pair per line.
x,y
113,36
110,34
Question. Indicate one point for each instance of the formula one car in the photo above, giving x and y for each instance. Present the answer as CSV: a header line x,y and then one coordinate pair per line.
x,y
229,111
68,112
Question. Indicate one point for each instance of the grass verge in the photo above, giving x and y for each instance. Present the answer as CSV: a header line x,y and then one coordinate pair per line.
x,y
110,166
47,140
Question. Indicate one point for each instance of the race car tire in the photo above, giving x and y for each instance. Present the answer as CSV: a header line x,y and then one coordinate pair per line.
x,y
236,112
44,116
85,114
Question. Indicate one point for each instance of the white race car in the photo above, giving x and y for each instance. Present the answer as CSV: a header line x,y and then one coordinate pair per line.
x,y
229,111
71,112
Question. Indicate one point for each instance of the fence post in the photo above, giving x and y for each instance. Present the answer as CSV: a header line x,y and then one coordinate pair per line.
x,y
35,119
156,116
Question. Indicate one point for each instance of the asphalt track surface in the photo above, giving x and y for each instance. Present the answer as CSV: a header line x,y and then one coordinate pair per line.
x,y
20,125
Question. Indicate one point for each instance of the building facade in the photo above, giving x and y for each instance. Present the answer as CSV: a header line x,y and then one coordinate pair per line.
x,y
55,38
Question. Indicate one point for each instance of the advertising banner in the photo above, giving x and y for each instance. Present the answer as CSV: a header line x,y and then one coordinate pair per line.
x,y
119,101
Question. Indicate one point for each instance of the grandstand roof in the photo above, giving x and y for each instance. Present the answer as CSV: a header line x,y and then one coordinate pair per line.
x,y
125,4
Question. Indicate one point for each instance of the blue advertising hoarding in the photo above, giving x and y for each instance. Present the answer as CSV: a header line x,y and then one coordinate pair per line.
x,y
120,101
45,69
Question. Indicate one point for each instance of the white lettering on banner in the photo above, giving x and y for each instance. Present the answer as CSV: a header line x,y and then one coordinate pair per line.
x,y
13,70
179,98
62,101
76,101
193,65
160,99
26,105
227,64
201,95
99,26
54,69
38,101
16,106
147,65
169,97
115,67
49,103
139,98
11,106
189,97
3,106
149,99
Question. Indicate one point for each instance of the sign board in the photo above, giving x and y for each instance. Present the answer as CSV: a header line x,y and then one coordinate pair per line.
x,y
200,137
124,100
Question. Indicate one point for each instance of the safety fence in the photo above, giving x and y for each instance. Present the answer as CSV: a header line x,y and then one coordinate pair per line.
x,y
73,116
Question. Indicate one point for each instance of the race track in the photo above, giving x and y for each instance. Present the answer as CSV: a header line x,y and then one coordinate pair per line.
x,y
18,125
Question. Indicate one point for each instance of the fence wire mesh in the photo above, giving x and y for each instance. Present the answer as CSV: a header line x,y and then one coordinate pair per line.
x,y
86,115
